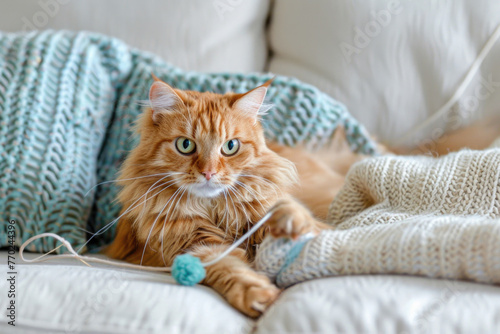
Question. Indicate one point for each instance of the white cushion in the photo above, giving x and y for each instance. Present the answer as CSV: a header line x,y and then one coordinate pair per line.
x,y
384,304
209,36
65,296
393,63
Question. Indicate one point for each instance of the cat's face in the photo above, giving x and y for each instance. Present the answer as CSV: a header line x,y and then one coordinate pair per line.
x,y
209,141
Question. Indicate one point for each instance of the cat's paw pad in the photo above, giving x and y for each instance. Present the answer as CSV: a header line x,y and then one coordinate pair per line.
x,y
253,294
290,220
260,298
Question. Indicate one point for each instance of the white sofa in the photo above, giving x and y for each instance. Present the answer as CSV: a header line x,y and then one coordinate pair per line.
x,y
69,297
393,63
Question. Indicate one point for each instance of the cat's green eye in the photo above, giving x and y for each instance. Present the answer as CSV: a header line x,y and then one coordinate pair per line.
x,y
185,145
231,147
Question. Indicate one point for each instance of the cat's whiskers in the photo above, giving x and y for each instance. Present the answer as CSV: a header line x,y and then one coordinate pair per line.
x,y
270,183
266,180
141,214
246,215
226,213
234,211
225,217
254,192
107,226
130,179
169,183
221,219
151,189
254,197
110,224
154,223
165,222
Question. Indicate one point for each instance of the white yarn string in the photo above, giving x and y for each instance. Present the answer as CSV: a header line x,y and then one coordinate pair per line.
x,y
240,241
74,255
461,88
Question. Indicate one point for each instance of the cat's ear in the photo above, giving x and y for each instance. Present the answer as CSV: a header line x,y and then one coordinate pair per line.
x,y
252,102
163,98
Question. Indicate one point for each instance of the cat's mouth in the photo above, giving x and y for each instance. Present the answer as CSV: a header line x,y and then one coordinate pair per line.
x,y
206,189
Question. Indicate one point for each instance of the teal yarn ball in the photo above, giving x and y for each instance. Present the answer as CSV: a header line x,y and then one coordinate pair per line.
x,y
188,270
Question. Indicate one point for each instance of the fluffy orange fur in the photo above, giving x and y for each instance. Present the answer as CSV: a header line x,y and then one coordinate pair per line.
x,y
171,206
202,200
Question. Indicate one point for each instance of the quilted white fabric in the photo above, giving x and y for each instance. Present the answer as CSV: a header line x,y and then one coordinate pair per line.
x,y
200,35
393,63
65,296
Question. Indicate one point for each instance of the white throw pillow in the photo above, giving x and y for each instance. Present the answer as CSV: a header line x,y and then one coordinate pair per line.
x,y
200,35
393,63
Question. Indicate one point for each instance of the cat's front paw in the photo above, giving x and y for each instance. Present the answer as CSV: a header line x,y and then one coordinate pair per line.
x,y
253,294
291,220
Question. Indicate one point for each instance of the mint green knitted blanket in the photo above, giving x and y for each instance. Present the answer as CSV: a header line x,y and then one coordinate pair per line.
x,y
67,104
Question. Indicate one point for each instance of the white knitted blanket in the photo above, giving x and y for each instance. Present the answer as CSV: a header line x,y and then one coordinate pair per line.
x,y
435,217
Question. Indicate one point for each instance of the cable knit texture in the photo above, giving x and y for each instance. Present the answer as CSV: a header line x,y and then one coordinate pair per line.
x,y
67,105
435,217
57,93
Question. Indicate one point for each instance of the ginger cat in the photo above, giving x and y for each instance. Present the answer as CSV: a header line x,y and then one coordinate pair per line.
x,y
202,175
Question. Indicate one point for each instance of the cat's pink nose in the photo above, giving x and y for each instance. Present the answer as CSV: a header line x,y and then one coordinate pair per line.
x,y
208,174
